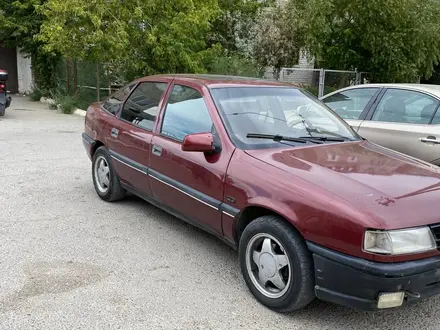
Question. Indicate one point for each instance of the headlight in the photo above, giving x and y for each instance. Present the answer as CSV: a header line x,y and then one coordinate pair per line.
x,y
402,241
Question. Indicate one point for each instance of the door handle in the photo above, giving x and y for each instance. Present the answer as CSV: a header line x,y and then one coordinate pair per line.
x,y
115,132
157,150
430,139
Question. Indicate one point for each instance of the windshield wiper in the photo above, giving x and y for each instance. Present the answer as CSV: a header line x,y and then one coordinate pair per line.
x,y
338,137
278,138
324,138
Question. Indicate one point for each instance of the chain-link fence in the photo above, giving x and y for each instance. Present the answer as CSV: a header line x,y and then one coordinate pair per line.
x,y
319,81
89,81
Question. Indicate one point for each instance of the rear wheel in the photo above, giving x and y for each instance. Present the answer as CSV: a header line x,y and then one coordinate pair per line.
x,y
276,264
2,110
105,179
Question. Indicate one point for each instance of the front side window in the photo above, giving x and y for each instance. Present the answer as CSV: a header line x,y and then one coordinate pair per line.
x,y
283,111
351,103
114,101
186,113
404,106
142,106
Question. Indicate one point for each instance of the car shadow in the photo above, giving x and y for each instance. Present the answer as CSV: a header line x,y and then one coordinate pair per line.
x,y
318,314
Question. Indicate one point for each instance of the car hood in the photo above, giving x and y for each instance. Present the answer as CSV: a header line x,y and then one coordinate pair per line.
x,y
395,189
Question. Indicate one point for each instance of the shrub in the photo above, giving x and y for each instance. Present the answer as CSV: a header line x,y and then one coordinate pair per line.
x,y
67,104
36,94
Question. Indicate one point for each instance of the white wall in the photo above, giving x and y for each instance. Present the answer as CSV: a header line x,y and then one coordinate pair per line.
x,y
24,72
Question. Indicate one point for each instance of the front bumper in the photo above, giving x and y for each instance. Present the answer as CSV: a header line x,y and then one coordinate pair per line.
x,y
357,283
89,144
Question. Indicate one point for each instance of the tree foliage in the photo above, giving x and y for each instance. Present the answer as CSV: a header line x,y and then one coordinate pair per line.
x,y
147,36
19,22
171,37
276,42
84,29
393,40
233,27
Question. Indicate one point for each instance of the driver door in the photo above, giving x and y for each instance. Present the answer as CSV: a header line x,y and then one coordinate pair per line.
x,y
190,184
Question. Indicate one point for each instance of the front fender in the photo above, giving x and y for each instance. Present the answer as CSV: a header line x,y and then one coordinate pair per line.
x,y
275,206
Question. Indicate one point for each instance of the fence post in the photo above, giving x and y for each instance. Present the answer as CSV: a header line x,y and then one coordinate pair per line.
x,y
321,83
68,75
75,76
358,77
98,89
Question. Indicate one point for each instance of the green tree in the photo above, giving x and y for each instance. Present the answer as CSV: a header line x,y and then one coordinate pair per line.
x,y
19,23
276,41
145,37
393,40
83,29
170,36
232,28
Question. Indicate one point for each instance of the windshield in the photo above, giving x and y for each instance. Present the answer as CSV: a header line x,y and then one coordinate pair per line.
x,y
282,111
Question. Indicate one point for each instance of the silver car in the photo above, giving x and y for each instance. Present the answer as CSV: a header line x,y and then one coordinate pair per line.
x,y
403,117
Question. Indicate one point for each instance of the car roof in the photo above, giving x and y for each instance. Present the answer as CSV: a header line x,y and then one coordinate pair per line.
x,y
211,80
432,89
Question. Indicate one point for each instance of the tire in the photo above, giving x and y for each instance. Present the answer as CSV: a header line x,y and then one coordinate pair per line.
x,y
2,110
289,248
112,191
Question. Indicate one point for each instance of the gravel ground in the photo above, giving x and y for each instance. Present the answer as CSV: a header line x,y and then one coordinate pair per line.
x,y
71,261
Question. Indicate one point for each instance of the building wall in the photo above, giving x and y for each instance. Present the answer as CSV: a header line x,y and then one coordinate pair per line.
x,y
24,73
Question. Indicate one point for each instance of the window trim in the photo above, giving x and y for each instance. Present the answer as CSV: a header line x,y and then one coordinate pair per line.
x,y
162,119
385,89
159,106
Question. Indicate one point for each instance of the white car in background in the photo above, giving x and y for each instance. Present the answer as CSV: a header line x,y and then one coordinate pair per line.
x,y
403,117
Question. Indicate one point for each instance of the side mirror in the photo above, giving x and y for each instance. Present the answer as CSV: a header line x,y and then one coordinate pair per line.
x,y
200,142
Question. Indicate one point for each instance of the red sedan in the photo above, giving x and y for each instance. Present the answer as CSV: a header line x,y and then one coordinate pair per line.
x,y
313,209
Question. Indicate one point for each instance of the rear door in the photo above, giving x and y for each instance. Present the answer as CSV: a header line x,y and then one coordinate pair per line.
x,y
189,183
402,120
352,104
130,136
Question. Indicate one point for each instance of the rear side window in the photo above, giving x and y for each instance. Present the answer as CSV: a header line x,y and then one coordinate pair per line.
x,y
186,113
142,106
350,104
405,106
113,103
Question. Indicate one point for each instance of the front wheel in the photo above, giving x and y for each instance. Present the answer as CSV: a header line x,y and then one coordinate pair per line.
x,y
105,179
276,264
